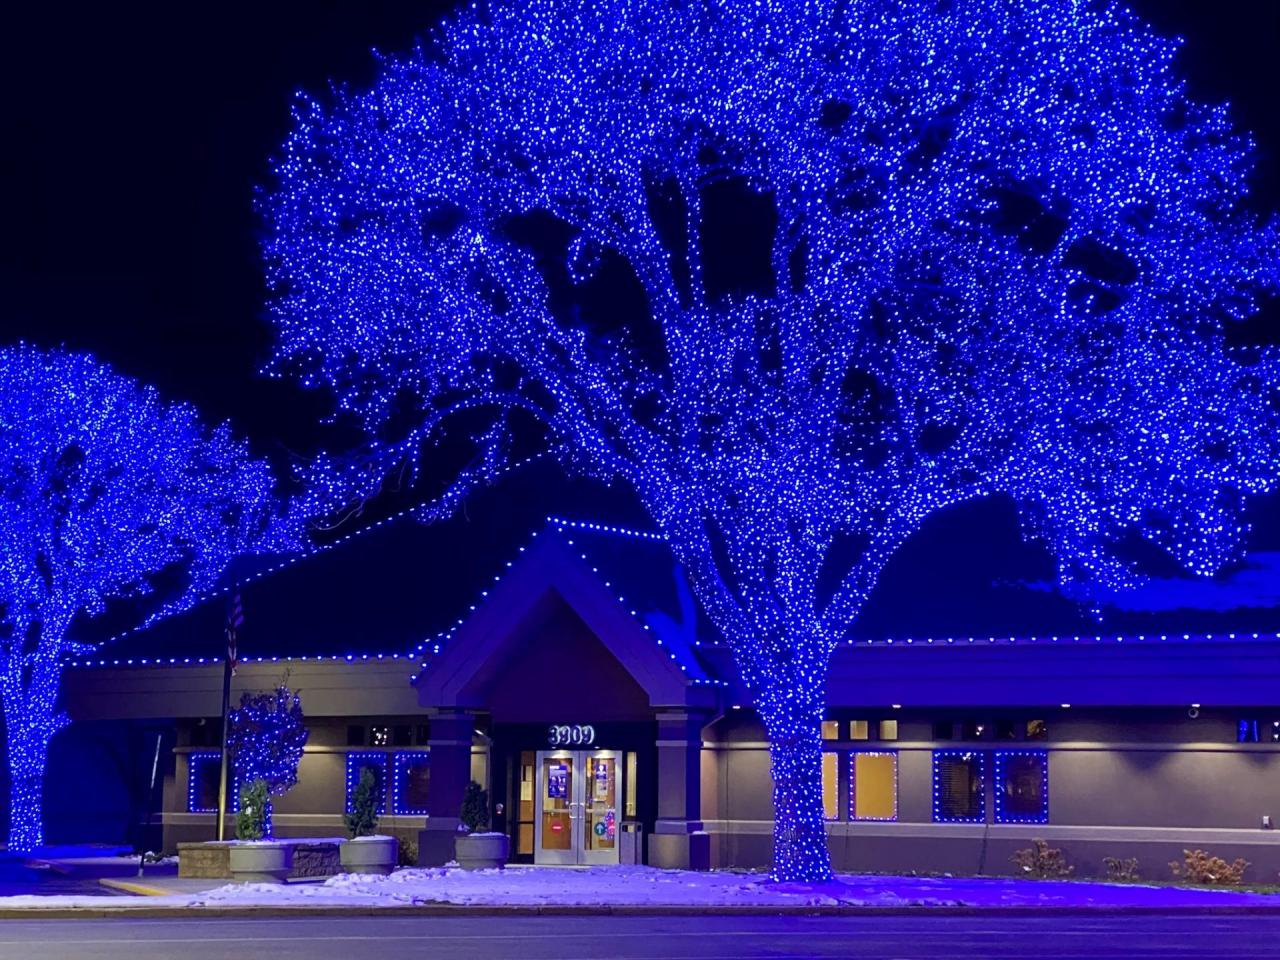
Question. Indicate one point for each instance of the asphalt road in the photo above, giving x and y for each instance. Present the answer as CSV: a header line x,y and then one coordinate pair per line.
x,y
648,938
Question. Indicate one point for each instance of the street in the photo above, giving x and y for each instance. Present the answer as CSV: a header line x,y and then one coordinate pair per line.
x,y
990,937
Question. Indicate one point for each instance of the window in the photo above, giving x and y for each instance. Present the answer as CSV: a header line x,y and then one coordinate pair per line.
x,y
204,772
355,735
1247,731
831,786
379,736
357,760
1006,730
958,786
1037,730
943,730
859,730
888,729
421,735
830,729
412,779
1022,786
973,730
873,785
402,735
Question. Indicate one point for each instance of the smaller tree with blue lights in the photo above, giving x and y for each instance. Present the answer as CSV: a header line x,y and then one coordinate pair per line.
x,y
106,493
265,740
801,273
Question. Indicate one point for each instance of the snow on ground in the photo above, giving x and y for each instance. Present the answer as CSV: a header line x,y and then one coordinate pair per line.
x,y
647,886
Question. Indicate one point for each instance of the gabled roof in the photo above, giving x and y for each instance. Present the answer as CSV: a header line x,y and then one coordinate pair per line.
x,y
553,566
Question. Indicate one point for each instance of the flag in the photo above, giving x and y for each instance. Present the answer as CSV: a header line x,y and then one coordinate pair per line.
x,y
235,617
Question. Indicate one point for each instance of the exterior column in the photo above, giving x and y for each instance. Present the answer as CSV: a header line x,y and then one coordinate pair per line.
x,y
679,840
450,743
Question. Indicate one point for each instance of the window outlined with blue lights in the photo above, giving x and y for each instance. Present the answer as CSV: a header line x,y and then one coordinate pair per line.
x,y
376,760
1022,786
410,780
959,786
203,767
878,799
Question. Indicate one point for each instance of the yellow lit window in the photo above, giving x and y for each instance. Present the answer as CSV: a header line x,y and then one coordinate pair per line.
x,y
830,729
888,729
831,786
873,786
859,730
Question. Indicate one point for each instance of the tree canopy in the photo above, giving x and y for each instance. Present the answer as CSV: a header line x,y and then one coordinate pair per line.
x,y
801,274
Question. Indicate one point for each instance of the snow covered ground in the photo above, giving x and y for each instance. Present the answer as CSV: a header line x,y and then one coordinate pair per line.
x,y
646,886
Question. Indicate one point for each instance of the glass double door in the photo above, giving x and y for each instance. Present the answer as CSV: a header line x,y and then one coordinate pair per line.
x,y
577,817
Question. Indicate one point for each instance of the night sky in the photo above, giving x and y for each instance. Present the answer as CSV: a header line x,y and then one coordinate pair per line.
x,y
136,135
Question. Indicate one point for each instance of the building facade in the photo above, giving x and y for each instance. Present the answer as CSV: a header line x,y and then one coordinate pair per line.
x,y
607,722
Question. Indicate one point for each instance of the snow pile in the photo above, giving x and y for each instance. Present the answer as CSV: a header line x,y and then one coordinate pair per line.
x,y
647,886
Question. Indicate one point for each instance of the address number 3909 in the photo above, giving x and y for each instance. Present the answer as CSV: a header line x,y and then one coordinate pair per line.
x,y
571,735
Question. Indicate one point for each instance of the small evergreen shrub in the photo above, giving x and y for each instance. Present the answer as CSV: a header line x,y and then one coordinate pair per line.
x,y
252,821
475,809
362,819
1122,869
407,853
1198,866
1042,861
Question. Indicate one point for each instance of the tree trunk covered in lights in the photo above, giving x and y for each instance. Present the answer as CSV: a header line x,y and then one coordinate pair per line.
x,y
30,722
800,851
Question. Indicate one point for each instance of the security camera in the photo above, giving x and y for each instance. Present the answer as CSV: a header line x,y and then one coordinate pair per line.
x,y
1193,712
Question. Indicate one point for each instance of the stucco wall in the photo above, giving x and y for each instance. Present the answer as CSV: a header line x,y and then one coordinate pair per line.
x,y
1140,784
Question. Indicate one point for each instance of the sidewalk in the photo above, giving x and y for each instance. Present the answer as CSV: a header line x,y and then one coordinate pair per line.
x,y
626,890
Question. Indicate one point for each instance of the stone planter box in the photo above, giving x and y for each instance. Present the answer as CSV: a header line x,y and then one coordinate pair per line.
x,y
260,861
481,851
310,857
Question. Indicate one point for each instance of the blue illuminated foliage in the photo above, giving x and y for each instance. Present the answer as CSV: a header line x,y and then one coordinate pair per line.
x,y
106,493
1002,252
266,737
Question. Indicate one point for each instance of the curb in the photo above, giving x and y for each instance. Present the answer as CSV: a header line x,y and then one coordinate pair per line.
x,y
134,887
143,911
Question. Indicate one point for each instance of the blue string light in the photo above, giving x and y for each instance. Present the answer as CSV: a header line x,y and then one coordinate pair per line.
x,y
105,491
402,764
1004,799
853,783
975,763
1005,250
357,760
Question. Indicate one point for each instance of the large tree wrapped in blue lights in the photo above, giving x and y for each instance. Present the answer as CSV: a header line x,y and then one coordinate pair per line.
x,y
107,493
992,249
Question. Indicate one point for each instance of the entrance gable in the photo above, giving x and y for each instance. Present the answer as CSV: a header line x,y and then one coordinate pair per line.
x,y
546,576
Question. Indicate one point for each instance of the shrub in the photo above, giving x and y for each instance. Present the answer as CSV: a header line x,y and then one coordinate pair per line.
x,y
1198,866
407,853
1042,861
1121,868
362,819
251,821
475,808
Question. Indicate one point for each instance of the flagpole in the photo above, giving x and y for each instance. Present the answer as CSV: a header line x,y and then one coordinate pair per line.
x,y
235,617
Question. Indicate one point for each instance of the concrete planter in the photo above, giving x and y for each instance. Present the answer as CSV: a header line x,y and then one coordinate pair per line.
x,y
368,855
260,862
481,851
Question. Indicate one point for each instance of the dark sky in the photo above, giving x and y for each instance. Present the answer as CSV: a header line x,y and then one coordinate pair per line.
x,y
136,134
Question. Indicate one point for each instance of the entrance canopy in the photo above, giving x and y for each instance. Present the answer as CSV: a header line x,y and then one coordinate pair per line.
x,y
553,641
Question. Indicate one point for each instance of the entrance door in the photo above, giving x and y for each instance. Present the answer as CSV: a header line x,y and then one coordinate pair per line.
x,y
576,820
